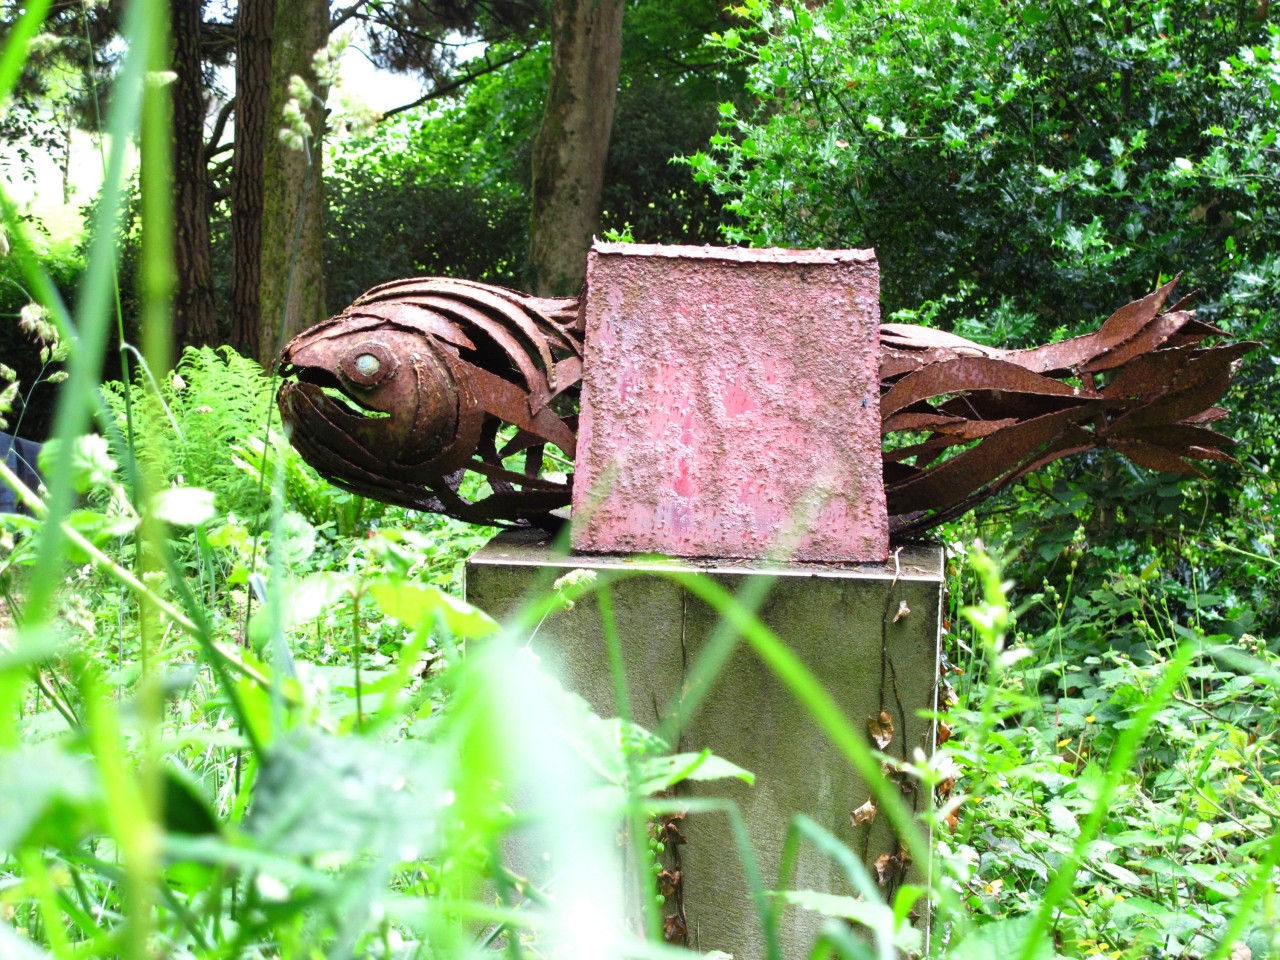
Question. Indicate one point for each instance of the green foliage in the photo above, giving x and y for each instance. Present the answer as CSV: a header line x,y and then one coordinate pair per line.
x,y
1060,159
20,351
445,189
667,106
1210,546
270,728
361,820
1038,742
186,425
418,228
645,192
441,190
1022,170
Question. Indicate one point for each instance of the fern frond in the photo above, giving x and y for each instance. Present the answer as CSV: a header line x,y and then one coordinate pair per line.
x,y
186,425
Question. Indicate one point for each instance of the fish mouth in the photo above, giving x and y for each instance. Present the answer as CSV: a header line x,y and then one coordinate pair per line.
x,y
332,430
324,391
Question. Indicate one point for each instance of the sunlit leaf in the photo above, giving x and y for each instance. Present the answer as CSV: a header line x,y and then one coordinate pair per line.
x,y
662,773
416,604
1005,938
183,506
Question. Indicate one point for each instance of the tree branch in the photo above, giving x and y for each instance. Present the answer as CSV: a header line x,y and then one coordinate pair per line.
x,y
444,89
342,16
213,148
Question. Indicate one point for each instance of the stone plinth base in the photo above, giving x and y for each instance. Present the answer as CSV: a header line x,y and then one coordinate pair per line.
x,y
837,619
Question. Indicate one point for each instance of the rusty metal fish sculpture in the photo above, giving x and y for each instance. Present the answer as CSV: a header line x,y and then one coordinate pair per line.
x,y
406,390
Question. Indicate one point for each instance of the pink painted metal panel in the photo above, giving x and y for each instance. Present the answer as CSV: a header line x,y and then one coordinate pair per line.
x,y
730,405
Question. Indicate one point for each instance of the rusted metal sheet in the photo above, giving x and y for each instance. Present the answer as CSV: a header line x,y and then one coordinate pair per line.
x,y
711,429
411,386
1141,384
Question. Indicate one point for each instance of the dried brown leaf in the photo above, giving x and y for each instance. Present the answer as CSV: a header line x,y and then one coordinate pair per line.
x,y
884,868
668,881
670,829
881,729
674,929
949,696
891,867
864,814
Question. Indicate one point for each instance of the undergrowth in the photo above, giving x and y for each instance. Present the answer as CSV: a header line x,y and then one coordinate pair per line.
x,y
1188,827
184,424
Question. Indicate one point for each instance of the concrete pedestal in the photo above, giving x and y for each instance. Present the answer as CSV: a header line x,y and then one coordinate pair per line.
x,y
837,619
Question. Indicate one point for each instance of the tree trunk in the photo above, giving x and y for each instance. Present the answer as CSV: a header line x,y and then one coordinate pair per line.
x,y
254,19
573,143
292,281
193,311
277,226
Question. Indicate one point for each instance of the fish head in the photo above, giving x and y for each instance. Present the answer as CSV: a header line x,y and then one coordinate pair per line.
x,y
369,404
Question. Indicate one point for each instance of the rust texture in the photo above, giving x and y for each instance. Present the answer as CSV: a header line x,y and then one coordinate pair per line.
x,y
406,390
713,427
401,394
1141,384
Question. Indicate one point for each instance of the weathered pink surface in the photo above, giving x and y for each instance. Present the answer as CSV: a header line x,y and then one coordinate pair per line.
x,y
730,405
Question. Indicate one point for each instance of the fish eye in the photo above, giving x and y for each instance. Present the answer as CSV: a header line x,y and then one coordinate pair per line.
x,y
367,365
